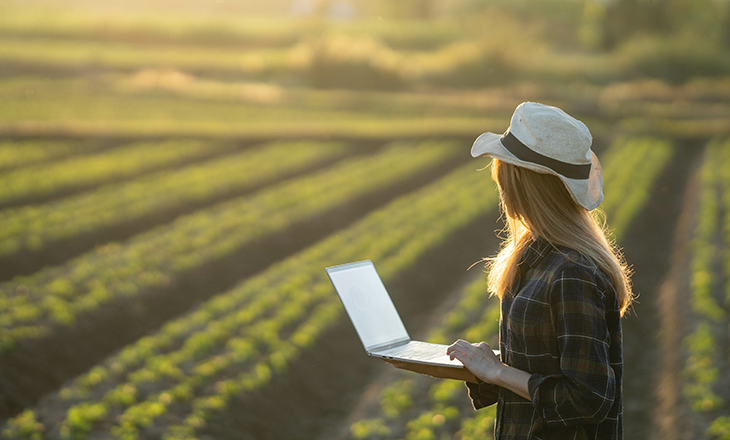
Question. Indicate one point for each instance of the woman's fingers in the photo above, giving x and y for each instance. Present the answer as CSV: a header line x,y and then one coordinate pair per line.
x,y
460,344
467,349
460,356
463,346
460,350
456,347
479,359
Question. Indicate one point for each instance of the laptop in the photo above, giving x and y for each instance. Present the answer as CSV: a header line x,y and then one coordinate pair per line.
x,y
376,320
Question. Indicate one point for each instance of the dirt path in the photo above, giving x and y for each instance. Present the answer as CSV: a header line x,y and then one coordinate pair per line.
x,y
671,414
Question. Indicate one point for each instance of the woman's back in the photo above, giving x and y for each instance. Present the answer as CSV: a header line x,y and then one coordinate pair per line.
x,y
561,306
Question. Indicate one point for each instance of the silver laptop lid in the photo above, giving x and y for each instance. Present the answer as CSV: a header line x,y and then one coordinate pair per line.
x,y
368,304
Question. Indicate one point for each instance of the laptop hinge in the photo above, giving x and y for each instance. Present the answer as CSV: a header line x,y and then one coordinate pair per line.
x,y
390,345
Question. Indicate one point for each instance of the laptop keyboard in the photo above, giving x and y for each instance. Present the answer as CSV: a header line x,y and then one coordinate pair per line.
x,y
417,350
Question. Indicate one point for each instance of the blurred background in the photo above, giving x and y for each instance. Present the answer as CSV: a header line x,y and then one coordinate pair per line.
x,y
287,66
175,175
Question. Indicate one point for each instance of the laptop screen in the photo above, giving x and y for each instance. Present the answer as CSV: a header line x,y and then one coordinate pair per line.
x,y
368,304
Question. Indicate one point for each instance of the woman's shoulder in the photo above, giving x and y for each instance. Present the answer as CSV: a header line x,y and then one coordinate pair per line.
x,y
569,275
565,274
566,261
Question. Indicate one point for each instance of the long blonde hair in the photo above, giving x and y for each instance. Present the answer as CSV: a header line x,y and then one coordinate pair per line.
x,y
539,205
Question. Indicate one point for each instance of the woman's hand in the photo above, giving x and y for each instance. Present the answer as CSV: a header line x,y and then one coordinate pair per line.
x,y
478,358
480,361
435,371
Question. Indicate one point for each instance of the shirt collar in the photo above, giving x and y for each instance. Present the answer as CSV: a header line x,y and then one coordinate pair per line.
x,y
535,252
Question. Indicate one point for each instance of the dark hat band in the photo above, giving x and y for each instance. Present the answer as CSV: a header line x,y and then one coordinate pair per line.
x,y
523,152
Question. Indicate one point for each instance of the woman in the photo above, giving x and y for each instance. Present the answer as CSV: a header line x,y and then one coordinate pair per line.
x,y
563,288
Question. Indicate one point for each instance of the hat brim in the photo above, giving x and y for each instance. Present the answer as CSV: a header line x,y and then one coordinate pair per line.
x,y
586,192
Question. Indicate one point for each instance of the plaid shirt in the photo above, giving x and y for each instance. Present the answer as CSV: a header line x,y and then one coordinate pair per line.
x,y
563,327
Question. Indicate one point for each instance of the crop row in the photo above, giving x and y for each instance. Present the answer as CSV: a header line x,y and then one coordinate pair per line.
x,y
258,328
211,326
16,154
409,408
31,306
33,227
704,283
629,169
49,178
708,270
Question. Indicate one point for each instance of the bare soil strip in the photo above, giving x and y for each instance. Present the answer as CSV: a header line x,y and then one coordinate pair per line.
x,y
41,366
672,413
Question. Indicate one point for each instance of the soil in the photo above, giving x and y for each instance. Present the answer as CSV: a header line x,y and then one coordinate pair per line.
x,y
672,414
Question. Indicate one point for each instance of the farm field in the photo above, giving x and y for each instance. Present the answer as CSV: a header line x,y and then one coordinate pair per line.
x,y
172,186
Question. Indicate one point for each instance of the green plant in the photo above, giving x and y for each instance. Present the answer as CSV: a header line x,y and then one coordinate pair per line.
x,y
57,295
630,168
45,179
701,369
24,426
34,227
248,335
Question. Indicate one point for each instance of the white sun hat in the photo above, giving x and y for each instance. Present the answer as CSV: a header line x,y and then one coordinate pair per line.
x,y
547,140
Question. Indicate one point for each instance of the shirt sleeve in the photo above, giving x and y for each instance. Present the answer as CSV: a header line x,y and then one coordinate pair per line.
x,y
482,394
584,392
